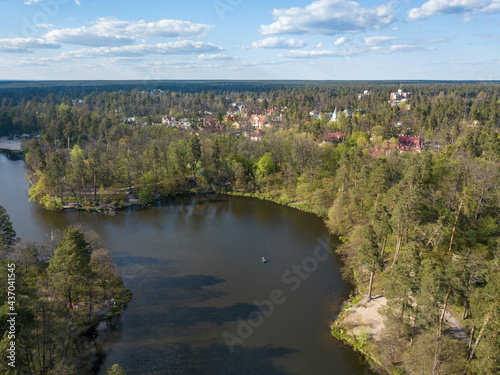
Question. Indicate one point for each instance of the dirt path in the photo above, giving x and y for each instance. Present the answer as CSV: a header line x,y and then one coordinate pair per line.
x,y
456,329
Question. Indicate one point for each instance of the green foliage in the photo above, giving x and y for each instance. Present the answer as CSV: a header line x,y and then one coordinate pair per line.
x,y
116,369
70,264
44,313
419,359
146,196
265,165
7,232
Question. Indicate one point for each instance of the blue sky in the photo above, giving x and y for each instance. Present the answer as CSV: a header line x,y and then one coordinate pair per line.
x,y
250,39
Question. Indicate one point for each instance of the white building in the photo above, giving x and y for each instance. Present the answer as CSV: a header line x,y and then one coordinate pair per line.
x,y
335,116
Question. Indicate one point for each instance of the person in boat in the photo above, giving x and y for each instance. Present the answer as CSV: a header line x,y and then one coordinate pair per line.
x,y
264,260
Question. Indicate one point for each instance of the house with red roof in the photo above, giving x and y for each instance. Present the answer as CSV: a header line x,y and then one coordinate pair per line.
x,y
258,121
410,144
333,137
257,135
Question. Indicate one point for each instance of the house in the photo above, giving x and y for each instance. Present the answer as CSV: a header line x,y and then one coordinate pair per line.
x,y
347,113
231,117
273,115
169,120
257,135
363,94
258,120
185,123
236,125
399,97
239,107
333,137
410,144
212,124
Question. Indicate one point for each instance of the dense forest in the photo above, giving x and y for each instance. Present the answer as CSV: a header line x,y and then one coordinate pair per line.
x,y
420,227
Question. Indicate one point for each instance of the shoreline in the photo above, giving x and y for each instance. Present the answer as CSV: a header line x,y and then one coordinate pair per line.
x,y
359,326
338,331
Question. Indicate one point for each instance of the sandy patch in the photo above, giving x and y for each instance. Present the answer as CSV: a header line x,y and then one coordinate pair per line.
x,y
365,316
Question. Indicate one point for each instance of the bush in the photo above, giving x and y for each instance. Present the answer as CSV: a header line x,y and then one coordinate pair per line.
x,y
146,196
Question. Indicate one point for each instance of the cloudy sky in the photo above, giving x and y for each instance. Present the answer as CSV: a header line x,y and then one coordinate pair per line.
x,y
250,39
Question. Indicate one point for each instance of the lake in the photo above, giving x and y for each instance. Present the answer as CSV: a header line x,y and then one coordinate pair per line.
x,y
204,303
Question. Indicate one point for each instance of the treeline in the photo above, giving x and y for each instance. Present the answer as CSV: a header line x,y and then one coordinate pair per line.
x,y
423,228
59,290
79,116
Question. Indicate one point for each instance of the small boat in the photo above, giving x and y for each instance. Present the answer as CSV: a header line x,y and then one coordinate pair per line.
x,y
264,260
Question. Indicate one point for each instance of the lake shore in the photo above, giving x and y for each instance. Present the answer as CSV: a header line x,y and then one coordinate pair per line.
x,y
355,320
360,326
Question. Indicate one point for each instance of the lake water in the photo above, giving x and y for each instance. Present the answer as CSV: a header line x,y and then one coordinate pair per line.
x,y
204,303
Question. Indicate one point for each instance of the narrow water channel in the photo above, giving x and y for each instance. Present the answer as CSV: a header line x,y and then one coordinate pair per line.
x,y
204,303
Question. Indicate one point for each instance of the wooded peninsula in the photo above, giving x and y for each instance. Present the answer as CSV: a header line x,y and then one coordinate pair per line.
x,y
407,176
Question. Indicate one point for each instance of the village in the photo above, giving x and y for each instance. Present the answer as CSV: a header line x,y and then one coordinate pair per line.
x,y
239,120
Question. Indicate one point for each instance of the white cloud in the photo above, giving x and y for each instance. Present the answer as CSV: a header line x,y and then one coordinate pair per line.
x,y
276,42
30,2
159,66
436,40
20,45
329,17
396,48
380,48
379,40
319,45
340,41
405,48
301,54
182,47
73,36
465,7
44,25
216,56
113,32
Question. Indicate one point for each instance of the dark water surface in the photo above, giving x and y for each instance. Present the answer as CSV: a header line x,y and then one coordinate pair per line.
x,y
194,268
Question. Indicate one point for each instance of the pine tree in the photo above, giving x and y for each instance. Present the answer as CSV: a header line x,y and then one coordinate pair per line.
x,y
370,255
70,264
195,154
7,232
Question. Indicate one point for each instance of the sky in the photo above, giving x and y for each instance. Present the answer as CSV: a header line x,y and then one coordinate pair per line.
x,y
250,39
